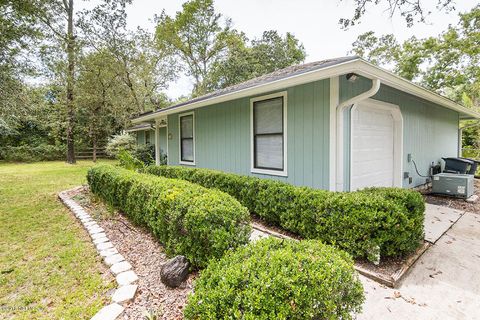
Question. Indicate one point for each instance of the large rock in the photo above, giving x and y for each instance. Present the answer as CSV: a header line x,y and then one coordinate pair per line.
x,y
175,271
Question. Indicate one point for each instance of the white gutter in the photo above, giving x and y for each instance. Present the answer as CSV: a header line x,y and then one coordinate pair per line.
x,y
340,128
323,73
359,66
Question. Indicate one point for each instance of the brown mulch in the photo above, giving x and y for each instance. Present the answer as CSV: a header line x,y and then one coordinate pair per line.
x,y
455,203
146,256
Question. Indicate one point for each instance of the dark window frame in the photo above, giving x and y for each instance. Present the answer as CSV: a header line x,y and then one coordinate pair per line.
x,y
255,135
192,138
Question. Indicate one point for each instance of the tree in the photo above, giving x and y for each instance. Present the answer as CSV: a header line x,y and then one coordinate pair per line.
x,y
408,9
144,68
57,20
198,37
448,63
267,54
101,106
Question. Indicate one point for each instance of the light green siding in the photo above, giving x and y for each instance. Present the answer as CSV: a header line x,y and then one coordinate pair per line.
x,y
429,131
140,137
162,133
222,136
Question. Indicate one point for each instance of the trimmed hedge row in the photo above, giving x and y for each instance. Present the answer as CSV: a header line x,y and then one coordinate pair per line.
x,y
369,223
278,279
187,219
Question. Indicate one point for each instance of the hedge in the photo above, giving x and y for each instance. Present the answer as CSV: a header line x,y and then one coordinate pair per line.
x,y
275,279
28,153
369,223
187,219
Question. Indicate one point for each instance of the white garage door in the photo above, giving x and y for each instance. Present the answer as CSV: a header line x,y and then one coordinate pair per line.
x,y
372,147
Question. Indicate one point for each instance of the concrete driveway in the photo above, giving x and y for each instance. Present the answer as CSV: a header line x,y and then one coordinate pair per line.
x,y
443,284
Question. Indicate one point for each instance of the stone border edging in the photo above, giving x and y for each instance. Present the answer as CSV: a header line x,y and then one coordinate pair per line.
x,y
119,267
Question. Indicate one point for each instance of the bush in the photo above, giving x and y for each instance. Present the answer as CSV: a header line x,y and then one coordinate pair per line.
x,y
28,153
278,279
145,153
369,223
186,218
120,142
128,161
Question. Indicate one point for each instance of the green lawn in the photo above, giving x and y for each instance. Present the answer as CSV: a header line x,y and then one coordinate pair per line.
x,y
48,267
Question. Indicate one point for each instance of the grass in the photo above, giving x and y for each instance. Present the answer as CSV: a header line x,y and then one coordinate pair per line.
x,y
48,267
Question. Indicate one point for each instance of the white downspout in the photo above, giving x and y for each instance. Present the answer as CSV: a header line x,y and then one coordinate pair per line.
x,y
340,128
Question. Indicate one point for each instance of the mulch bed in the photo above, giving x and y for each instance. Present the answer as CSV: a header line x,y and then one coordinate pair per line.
x,y
455,203
146,256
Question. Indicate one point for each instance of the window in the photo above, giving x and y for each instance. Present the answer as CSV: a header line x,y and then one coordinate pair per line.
x,y
268,125
147,137
187,138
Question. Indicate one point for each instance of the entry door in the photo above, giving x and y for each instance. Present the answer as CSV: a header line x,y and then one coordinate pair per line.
x,y
372,147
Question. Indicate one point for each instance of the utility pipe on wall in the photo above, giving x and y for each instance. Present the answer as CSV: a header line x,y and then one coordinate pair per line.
x,y
340,128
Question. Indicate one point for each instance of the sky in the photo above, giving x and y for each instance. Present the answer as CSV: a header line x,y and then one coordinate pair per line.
x,y
313,22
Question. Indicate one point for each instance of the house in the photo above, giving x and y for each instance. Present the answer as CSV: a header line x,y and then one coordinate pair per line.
x,y
339,124
145,135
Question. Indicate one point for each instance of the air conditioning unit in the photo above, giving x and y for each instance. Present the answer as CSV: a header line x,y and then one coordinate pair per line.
x,y
458,185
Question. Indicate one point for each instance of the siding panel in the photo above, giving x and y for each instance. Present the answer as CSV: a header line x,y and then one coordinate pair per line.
x,y
222,136
429,131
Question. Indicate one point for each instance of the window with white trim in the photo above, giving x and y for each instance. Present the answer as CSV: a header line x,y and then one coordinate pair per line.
x,y
187,138
269,134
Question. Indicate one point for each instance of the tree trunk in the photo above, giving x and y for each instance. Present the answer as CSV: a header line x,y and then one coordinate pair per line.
x,y
70,83
94,140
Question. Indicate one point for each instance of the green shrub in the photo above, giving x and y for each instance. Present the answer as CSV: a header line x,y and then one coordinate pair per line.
x,y
145,153
128,161
369,223
278,279
186,218
120,142
28,153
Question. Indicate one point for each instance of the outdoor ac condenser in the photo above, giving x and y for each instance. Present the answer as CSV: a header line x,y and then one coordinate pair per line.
x,y
458,185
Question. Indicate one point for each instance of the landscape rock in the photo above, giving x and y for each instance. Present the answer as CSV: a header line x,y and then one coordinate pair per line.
x,y
175,271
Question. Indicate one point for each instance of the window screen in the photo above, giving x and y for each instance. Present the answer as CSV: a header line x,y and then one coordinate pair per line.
x,y
268,134
186,138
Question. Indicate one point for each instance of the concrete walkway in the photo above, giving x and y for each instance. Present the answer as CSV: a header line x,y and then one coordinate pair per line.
x,y
438,220
443,284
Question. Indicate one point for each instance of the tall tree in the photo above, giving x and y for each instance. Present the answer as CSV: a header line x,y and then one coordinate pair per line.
x,y
408,9
243,61
198,36
448,63
144,68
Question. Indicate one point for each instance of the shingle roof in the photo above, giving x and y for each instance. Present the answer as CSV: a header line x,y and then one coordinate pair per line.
x,y
267,78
